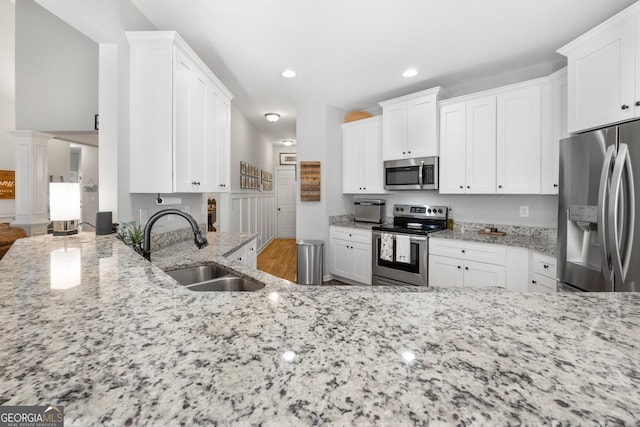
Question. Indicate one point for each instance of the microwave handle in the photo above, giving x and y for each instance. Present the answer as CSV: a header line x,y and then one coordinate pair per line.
x,y
420,172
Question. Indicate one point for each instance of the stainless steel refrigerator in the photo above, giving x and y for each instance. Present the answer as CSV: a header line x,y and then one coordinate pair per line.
x,y
598,212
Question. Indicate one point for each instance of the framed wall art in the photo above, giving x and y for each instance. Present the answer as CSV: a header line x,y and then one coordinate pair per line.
x,y
288,158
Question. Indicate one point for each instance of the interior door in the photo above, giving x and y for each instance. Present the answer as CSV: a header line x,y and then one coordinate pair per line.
x,y
286,203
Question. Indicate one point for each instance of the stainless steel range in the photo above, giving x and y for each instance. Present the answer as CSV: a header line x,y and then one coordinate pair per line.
x,y
401,252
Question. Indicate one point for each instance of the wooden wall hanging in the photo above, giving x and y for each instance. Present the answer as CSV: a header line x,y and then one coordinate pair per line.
x,y
7,184
310,181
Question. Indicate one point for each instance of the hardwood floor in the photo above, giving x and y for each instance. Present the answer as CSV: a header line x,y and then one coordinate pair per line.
x,y
279,259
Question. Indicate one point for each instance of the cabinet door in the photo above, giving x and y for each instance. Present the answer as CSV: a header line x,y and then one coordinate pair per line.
x,y
341,256
445,271
422,127
601,79
518,141
556,113
372,167
351,159
452,148
224,145
183,81
478,274
481,146
361,263
394,137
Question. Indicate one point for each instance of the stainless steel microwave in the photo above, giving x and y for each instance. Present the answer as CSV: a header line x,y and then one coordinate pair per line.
x,y
411,174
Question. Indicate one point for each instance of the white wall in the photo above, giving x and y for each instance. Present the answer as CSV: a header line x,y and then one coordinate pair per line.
x,y
247,145
318,140
56,73
58,160
7,98
492,209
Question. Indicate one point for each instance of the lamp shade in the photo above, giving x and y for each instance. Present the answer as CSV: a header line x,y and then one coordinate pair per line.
x,y
64,201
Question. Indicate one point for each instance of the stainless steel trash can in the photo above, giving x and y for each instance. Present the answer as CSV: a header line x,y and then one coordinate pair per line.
x,y
310,262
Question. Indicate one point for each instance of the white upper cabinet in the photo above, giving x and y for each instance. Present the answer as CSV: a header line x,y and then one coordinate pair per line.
x,y
503,140
410,125
362,156
518,140
468,146
179,117
603,73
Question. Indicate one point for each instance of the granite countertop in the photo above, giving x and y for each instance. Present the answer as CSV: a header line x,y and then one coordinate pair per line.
x,y
522,237
129,346
543,244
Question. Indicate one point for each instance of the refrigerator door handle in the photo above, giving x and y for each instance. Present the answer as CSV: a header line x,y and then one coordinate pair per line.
x,y
603,221
626,215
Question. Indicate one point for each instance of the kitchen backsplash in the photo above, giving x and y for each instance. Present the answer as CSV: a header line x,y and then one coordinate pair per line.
x,y
523,230
162,240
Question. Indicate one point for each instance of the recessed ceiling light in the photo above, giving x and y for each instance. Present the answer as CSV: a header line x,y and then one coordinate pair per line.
x,y
411,72
288,73
287,143
272,117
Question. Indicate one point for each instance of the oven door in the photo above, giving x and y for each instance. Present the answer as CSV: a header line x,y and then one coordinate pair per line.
x,y
400,273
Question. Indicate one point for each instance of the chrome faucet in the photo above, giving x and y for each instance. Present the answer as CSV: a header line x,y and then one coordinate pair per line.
x,y
199,239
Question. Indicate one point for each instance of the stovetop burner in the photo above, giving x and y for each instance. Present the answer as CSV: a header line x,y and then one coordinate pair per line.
x,y
416,219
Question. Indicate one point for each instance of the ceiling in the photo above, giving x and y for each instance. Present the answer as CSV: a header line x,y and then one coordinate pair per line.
x,y
351,53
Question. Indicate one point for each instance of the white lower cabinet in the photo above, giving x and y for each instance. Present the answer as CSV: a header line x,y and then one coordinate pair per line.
x,y
247,254
453,263
350,254
456,263
543,273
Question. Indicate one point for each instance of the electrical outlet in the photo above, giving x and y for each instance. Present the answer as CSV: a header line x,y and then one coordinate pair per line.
x,y
187,208
524,211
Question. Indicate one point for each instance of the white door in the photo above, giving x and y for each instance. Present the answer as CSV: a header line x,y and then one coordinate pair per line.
x,y
286,203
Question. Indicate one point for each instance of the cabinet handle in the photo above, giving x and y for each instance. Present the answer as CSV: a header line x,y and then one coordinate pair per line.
x,y
637,103
463,251
534,282
404,152
458,267
468,186
466,268
555,185
545,266
625,107
499,186
409,152
461,186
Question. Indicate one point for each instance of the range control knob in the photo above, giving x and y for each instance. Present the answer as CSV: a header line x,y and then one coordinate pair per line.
x,y
429,210
439,210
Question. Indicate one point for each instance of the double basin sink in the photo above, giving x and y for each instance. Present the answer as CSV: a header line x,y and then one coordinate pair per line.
x,y
208,278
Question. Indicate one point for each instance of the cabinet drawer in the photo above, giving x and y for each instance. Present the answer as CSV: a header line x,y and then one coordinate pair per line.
x,y
544,265
492,254
540,283
351,234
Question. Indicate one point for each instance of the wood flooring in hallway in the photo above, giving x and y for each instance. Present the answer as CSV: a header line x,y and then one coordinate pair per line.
x,y
279,259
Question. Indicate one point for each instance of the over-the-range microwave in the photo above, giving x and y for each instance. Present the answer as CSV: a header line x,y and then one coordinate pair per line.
x,y
411,174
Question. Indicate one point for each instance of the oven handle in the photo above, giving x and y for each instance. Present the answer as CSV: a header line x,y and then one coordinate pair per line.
x,y
411,237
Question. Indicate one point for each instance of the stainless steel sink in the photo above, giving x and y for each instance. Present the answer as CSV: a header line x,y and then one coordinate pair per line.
x,y
228,284
201,273
212,278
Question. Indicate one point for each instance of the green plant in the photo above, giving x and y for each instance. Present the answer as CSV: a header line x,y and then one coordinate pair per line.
x,y
130,234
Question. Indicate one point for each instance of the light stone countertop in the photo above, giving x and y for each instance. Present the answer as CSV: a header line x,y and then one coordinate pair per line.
x,y
128,345
538,242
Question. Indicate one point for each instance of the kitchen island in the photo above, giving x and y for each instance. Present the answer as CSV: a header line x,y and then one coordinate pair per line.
x,y
127,345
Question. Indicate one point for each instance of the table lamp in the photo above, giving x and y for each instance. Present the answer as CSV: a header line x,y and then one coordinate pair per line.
x,y
64,205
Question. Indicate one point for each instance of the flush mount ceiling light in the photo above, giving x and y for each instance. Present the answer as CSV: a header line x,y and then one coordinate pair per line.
x,y
411,72
272,117
287,143
289,73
